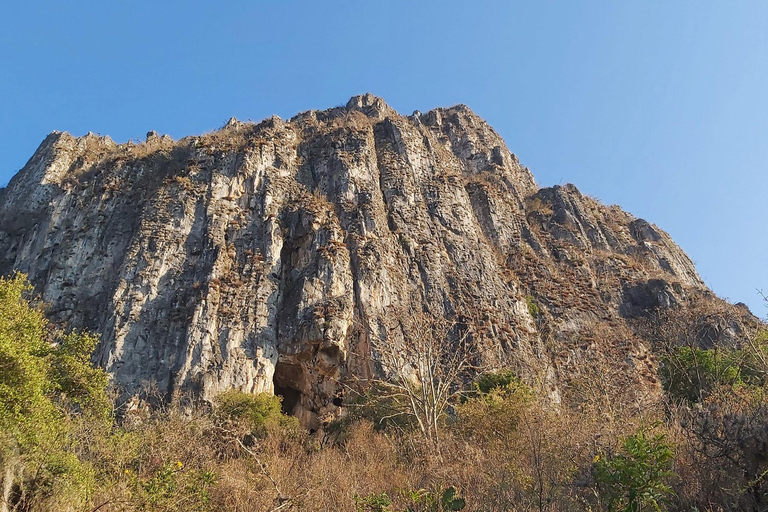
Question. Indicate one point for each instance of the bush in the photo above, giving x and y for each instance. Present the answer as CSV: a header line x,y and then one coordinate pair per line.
x,y
533,307
726,450
497,380
636,478
493,415
378,406
257,413
171,488
377,502
48,393
435,500
692,374
525,452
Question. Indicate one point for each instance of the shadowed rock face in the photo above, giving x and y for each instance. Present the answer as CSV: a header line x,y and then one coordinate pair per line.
x,y
265,257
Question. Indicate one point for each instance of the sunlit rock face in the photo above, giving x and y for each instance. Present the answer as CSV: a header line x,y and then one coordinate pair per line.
x,y
265,257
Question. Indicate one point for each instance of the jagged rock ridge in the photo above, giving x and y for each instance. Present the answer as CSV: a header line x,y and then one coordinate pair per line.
x,y
264,257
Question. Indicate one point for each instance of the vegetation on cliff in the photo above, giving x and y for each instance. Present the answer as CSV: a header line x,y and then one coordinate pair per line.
x,y
501,445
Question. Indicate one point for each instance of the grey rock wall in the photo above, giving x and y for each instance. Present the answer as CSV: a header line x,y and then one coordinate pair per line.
x,y
264,257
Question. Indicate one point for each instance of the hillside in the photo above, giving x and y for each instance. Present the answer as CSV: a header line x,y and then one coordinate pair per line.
x,y
267,257
359,311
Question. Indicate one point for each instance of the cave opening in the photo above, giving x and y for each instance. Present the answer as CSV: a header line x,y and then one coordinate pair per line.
x,y
291,398
287,378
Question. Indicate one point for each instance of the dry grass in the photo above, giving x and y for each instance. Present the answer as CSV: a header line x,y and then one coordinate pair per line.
x,y
534,204
520,456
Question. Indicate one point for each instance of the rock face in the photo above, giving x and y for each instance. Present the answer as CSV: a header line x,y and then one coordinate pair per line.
x,y
265,257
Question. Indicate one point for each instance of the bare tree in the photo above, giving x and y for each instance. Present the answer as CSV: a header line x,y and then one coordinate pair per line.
x,y
425,362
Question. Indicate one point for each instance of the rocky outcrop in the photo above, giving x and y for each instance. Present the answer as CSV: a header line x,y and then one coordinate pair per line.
x,y
265,257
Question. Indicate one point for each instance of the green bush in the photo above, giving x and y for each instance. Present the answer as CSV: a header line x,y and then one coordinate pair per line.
x,y
172,488
76,380
636,478
257,412
48,392
497,380
376,502
533,307
693,373
491,417
436,500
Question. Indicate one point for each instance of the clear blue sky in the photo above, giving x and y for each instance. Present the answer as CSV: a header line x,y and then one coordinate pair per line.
x,y
660,106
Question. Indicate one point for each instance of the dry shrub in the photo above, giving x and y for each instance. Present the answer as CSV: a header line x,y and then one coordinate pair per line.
x,y
502,450
535,204
514,452
722,454
366,463
241,487
502,447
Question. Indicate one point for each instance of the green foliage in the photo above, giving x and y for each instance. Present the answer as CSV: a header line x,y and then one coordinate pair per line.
x,y
405,241
76,378
493,411
172,488
492,418
46,384
376,502
435,500
693,373
635,479
258,413
24,361
451,501
505,379
162,485
533,306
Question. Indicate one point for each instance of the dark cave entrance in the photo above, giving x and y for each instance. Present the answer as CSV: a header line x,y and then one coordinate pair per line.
x,y
286,380
291,398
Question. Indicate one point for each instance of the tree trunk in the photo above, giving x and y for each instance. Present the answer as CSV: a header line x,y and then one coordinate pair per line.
x,y
7,485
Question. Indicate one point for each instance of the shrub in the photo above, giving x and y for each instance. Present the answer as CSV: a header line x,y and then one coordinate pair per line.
x,y
496,407
435,500
726,449
525,452
47,385
378,406
635,479
376,502
171,487
692,374
505,379
257,413
533,306
76,379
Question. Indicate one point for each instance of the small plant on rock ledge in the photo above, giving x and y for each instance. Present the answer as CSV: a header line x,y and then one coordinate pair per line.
x,y
533,306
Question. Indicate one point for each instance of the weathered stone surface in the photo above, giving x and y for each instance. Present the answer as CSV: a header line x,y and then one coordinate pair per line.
x,y
264,257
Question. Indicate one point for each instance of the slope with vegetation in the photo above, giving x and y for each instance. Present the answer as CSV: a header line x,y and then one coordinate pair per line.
x,y
497,445
276,257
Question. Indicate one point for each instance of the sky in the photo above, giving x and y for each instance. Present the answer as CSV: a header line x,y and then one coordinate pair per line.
x,y
659,106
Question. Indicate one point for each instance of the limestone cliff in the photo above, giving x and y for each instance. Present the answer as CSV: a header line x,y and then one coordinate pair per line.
x,y
264,257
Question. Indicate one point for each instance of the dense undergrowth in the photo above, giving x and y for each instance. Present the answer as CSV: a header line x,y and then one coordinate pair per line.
x,y
501,446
